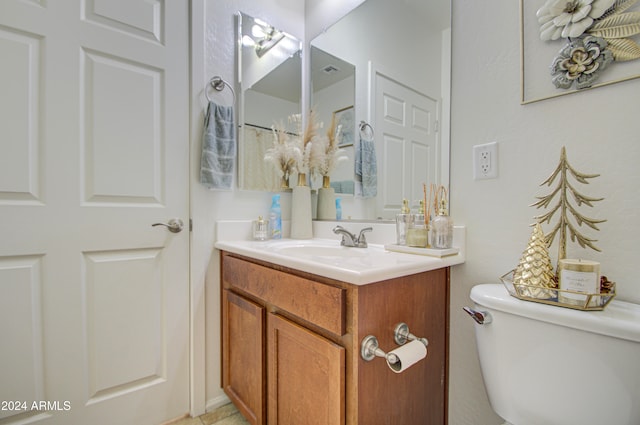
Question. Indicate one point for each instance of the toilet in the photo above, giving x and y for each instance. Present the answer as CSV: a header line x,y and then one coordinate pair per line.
x,y
549,365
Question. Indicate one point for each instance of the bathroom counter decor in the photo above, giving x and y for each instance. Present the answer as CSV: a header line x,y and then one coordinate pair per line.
x,y
563,205
580,300
575,284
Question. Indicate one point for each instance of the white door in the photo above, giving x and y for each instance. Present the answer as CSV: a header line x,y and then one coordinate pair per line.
x,y
407,147
94,140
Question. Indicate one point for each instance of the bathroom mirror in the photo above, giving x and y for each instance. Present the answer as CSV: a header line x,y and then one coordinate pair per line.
x,y
408,42
400,54
270,84
332,97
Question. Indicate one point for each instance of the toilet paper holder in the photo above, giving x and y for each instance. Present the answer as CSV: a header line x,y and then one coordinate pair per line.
x,y
401,335
370,348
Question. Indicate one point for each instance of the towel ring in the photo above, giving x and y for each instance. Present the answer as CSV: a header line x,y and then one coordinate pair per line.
x,y
363,128
218,83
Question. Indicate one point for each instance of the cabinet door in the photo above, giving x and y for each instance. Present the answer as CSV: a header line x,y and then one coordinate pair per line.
x,y
417,396
243,373
306,376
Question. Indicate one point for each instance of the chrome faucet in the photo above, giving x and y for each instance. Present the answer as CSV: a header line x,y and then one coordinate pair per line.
x,y
351,240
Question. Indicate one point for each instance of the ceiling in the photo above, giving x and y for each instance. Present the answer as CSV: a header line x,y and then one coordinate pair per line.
x,y
284,82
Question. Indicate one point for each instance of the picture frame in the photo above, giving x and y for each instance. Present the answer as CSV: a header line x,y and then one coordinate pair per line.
x,y
345,117
536,57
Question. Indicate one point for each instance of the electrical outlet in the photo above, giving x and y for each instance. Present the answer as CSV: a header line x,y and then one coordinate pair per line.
x,y
485,161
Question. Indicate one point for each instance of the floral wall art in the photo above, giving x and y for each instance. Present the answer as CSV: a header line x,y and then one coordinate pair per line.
x,y
568,46
345,117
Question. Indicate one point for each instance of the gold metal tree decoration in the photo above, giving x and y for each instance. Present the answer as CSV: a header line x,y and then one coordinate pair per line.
x,y
564,205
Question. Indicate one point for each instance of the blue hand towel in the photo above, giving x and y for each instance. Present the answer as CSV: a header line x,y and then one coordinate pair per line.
x,y
217,164
366,167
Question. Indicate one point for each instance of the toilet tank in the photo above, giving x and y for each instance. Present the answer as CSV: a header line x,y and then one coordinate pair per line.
x,y
548,365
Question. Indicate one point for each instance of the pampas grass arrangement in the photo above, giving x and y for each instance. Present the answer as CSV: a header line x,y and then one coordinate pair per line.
x,y
304,144
282,155
326,153
305,151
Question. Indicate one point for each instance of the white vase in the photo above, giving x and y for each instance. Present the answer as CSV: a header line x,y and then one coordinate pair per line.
x,y
301,227
326,201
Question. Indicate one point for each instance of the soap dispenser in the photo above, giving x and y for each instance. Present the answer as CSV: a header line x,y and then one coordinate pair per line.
x,y
403,221
418,219
275,217
442,228
260,229
418,231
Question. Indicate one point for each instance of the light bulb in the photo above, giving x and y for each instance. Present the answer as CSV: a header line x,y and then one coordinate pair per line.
x,y
258,31
248,41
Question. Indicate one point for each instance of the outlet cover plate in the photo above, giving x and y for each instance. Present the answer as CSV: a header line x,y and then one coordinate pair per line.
x,y
485,161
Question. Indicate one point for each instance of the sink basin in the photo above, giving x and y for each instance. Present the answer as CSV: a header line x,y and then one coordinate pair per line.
x,y
322,256
319,249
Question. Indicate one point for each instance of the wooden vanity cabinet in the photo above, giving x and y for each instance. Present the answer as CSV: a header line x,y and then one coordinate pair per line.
x,y
243,371
305,376
276,363
291,346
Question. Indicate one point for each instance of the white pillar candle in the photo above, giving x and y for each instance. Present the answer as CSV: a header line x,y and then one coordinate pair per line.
x,y
578,276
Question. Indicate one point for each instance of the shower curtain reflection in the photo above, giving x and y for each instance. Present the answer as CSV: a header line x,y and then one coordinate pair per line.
x,y
257,173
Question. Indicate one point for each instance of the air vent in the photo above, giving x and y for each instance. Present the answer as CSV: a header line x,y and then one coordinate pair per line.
x,y
330,69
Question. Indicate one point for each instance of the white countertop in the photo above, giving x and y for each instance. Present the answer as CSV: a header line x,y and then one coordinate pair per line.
x,y
325,257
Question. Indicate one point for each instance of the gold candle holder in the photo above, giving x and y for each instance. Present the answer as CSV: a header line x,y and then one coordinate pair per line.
x,y
579,275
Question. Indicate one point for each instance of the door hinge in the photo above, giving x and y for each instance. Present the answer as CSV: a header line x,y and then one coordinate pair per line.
x,y
436,126
190,225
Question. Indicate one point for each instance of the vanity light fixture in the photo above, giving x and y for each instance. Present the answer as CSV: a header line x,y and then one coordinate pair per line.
x,y
269,41
263,37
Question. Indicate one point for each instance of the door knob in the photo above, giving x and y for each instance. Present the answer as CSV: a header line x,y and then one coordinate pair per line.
x,y
175,225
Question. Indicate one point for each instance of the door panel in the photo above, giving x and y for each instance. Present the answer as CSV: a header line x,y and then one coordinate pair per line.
x,y
139,18
20,174
123,349
94,316
392,178
408,139
117,171
21,302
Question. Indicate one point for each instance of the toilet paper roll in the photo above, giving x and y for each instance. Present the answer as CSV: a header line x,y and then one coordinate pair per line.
x,y
406,356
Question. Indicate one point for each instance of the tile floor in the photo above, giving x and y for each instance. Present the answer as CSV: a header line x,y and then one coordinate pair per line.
x,y
225,415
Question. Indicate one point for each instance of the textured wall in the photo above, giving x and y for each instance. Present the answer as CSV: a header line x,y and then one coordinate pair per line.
x,y
600,129
214,44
